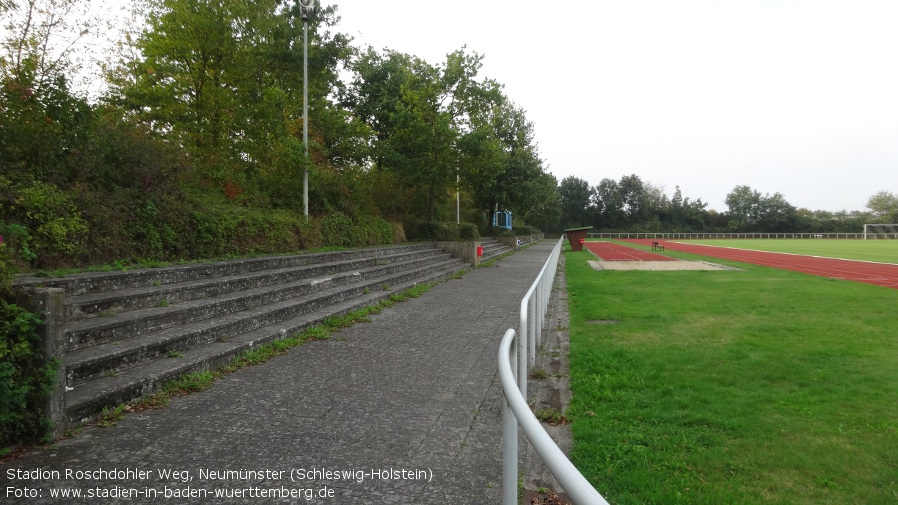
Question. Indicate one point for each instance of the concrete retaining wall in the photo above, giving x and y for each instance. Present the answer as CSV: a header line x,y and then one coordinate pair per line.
x,y
49,305
466,251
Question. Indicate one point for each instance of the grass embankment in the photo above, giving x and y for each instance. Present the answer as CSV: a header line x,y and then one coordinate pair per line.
x,y
883,251
738,387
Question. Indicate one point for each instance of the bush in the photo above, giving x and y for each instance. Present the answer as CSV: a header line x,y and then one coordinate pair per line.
x,y
338,229
375,230
24,379
443,232
49,226
151,231
217,231
398,233
524,230
13,254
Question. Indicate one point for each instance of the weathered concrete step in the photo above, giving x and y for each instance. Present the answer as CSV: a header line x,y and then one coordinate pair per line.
x,y
492,247
88,333
96,331
103,303
86,282
88,399
104,359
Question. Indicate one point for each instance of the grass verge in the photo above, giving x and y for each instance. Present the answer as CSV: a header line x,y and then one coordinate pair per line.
x,y
742,387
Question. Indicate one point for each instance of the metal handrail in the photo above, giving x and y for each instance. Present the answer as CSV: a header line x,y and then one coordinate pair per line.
x,y
513,361
517,412
535,302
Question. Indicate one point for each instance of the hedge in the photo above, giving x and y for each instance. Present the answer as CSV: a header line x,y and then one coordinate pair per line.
x,y
441,231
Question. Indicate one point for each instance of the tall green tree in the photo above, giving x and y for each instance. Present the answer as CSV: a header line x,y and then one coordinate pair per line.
x,y
744,206
371,95
194,67
545,211
575,201
608,204
40,40
507,183
685,214
223,79
775,214
422,144
431,124
884,206
44,125
653,208
632,191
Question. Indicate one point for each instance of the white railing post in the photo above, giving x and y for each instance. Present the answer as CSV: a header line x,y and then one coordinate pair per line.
x,y
521,371
571,480
540,311
509,438
533,315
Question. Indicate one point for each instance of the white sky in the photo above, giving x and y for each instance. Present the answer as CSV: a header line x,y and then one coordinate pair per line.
x,y
792,96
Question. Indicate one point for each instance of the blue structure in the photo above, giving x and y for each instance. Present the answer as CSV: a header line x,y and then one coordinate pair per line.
x,y
502,219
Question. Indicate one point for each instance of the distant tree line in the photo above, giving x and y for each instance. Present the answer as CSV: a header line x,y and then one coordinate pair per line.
x,y
634,205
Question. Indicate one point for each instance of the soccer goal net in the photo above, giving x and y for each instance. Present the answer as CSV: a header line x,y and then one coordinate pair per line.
x,y
874,231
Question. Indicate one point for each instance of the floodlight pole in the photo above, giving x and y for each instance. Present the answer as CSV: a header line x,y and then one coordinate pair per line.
x,y
307,7
457,198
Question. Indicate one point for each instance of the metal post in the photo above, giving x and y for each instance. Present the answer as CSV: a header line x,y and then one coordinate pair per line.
x,y
307,8
510,442
305,111
521,371
542,310
533,314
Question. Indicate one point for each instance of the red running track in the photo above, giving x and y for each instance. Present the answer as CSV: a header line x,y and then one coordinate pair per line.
x,y
609,251
880,274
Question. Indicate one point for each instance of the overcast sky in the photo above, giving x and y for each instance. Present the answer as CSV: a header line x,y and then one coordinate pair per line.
x,y
792,96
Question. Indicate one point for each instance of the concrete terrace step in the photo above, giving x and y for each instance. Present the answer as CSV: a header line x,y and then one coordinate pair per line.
x,y
94,331
492,247
109,390
251,313
129,332
88,282
103,303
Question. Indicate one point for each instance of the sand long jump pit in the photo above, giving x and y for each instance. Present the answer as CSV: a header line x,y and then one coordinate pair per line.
x,y
613,256
655,265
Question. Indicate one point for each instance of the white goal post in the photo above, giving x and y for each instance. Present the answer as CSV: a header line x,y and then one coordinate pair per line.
x,y
874,231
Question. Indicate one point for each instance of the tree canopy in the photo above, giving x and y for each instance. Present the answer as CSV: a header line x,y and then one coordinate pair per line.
x,y
884,206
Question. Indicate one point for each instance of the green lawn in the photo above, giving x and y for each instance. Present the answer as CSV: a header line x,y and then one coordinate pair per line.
x,y
749,386
883,251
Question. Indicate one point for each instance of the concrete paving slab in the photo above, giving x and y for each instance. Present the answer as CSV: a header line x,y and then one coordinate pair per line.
x,y
404,409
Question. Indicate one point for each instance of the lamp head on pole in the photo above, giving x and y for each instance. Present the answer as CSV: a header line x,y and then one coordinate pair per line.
x,y
307,8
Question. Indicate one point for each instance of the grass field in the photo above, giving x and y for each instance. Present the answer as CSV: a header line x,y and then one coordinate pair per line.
x,y
883,251
752,386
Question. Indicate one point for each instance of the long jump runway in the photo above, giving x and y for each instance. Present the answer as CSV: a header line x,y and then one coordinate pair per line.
x,y
610,251
879,274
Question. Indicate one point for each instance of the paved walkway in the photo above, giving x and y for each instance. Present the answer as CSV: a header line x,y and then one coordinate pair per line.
x,y
405,409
